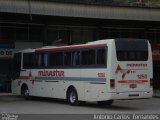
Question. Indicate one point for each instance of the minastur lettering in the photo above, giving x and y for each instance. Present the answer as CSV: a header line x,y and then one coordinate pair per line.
x,y
54,73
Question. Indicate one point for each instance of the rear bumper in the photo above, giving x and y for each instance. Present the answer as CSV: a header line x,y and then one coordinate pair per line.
x,y
132,95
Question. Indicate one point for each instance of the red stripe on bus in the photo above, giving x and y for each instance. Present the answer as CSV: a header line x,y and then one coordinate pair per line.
x,y
71,48
133,81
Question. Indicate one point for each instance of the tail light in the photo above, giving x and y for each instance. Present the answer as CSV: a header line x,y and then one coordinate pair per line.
x,y
112,83
151,82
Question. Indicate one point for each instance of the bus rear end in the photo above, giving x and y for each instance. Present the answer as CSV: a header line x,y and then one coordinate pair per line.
x,y
133,70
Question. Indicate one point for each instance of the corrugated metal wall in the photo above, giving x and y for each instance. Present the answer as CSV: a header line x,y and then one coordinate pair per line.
x,y
79,10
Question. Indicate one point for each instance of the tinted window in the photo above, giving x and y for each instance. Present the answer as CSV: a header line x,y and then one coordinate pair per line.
x,y
76,58
132,49
88,57
101,56
28,60
56,59
42,60
83,58
67,58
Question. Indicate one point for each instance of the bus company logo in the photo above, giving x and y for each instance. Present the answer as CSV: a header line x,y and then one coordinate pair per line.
x,y
136,65
123,72
55,73
31,78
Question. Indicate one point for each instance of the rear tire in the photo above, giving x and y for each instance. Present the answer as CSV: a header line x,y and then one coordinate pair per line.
x,y
108,102
72,97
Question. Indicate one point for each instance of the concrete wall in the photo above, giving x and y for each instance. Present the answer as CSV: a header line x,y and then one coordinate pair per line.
x,y
25,45
79,10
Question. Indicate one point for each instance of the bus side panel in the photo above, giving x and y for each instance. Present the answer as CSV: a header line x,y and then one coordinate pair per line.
x,y
95,84
49,89
98,92
36,89
71,78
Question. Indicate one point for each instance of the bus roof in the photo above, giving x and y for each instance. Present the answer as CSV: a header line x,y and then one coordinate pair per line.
x,y
106,41
95,44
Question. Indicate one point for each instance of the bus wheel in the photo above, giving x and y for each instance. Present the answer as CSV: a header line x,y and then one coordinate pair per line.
x,y
108,102
25,92
72,97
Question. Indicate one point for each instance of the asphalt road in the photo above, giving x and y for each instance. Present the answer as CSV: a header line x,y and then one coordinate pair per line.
x,y
17,105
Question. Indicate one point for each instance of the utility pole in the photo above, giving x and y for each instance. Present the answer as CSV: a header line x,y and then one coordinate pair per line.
x,y
29,10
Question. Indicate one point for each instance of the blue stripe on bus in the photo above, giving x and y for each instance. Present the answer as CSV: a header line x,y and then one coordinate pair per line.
x,y
72,79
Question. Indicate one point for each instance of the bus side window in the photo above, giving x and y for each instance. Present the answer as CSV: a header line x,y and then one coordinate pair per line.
x,y
43,60
28,60
76,58
84,57
56,59
67,58
101,56
91,57
88,57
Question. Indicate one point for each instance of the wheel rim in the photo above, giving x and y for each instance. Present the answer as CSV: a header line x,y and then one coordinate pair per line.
x,y
72,97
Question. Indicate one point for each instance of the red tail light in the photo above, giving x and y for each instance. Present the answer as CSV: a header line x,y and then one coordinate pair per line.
x,y
112,83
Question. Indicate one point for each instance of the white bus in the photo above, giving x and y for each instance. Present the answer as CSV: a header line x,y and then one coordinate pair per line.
x,y
101,71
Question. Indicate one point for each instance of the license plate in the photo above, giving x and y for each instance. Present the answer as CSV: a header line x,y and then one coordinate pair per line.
x,y
133,86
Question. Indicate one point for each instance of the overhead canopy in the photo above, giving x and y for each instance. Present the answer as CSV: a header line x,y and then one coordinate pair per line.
x,y
79,10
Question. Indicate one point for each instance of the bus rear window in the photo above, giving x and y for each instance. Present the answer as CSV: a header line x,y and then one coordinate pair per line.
x,y
131,49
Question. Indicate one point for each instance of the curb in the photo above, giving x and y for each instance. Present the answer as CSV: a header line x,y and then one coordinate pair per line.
x,y
6,94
